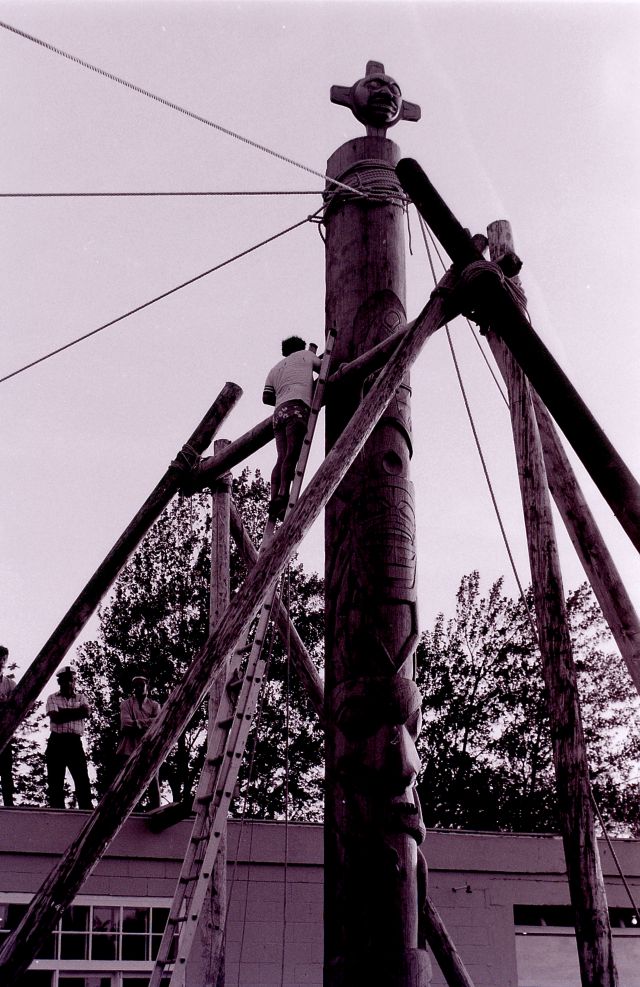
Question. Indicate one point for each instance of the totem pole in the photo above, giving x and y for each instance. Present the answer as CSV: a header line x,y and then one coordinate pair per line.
x,y
375,878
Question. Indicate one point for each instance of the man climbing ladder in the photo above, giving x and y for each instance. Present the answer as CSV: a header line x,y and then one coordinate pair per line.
x,y
227,743
289,386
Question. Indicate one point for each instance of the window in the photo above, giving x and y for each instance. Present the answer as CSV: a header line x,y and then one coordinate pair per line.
x,y
97,943
546,951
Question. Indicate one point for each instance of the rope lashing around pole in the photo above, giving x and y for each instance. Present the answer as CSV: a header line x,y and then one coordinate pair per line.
x,y
376,179
157,298
166,102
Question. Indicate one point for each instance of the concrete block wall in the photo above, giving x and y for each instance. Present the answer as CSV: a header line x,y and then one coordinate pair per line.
x,y
276,898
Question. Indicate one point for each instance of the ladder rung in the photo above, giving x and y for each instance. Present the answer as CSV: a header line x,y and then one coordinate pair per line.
x,y
205,799
216,761
228,720
178,919
234,684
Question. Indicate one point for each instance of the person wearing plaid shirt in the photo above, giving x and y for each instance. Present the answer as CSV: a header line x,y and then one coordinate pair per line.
x,y
67,711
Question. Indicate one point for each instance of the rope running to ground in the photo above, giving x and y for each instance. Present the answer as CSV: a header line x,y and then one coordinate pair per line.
x,y
157,298
173,106
480,452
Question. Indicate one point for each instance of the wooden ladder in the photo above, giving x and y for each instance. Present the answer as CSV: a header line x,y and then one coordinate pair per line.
x,y
225,750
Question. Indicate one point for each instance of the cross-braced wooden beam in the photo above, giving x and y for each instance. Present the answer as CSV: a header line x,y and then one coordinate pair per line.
x,y
49,657
66,879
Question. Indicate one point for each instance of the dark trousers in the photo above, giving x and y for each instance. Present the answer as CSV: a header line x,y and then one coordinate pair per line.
x,y
65,750
6,774
289,439
153,791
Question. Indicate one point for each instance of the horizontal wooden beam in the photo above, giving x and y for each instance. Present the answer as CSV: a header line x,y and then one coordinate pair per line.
x,y
49,657
496,306
67,877
211,468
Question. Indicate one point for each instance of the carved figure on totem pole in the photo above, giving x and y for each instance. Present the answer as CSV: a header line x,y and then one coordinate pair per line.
x,y
375,100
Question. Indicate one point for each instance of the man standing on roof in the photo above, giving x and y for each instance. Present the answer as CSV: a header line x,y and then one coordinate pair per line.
x,y
7,685
136,716
67,711
289,386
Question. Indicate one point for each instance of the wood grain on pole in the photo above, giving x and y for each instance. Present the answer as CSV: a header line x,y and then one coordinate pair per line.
x,y
214,913
211,467
66,878
300,657
442,947
604,464
590,546
586,884
48,658
599,567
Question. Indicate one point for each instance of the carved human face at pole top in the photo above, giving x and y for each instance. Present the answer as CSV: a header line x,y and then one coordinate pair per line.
x,y
378,721
377,100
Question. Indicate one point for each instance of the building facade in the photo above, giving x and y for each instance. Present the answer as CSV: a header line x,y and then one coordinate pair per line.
x,y
503,897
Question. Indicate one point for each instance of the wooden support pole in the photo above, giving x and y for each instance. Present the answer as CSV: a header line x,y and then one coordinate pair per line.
x,y
495,306
66,879
600,569
573,787
300,657
443,948
48,658
214,914
212,467
586,884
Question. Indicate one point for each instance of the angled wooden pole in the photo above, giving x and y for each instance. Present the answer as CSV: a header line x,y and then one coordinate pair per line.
x,y
212,467
599,567
573,787
48,658
590,546
300,657
586,884
495,306
214,914
66,879
443,948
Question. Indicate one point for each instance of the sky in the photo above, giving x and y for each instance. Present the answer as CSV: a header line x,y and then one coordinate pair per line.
x,y
530,112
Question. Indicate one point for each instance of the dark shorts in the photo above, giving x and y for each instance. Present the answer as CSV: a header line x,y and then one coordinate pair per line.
x,y
290,411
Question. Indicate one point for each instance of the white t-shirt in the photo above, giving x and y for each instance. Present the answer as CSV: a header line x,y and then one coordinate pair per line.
x,y
292,378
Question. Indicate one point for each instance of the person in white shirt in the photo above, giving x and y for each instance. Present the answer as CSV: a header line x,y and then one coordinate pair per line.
x,y
137,713
7,685
67,711
289,386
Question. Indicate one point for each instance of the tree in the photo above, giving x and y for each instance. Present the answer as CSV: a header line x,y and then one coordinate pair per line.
x,y
156,620
485,742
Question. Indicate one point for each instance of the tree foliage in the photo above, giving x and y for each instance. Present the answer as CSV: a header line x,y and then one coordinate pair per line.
x,y
155,622
485,744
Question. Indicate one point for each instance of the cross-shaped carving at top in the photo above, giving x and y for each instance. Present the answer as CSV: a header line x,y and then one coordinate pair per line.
x,y
376,101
